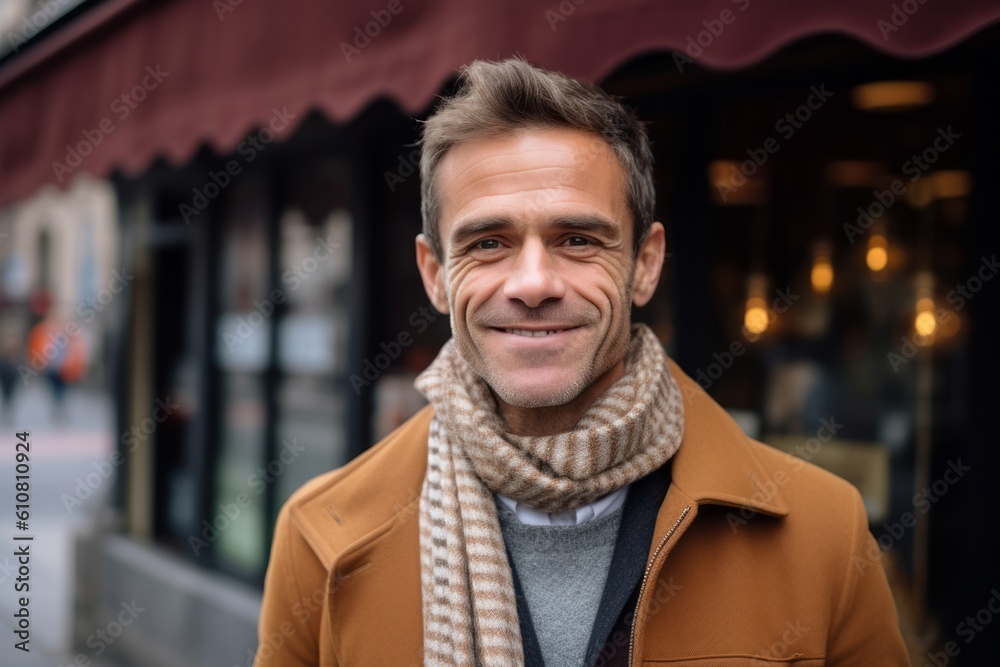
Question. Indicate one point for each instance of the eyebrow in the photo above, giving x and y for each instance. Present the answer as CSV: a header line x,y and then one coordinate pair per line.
x,y
469,230
592,224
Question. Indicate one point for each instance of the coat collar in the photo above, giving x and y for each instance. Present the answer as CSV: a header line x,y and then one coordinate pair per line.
x,y
716,463
342,510
367,497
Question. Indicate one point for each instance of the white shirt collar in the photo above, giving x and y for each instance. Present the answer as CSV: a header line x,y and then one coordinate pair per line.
x,y
593,510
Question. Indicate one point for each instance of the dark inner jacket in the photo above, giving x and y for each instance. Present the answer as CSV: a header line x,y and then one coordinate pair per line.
x,y
608,644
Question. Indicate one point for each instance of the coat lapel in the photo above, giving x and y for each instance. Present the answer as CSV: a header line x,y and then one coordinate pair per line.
x,y
716,463
365,530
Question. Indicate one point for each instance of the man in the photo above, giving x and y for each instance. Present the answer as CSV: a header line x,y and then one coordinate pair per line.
x,y
570,496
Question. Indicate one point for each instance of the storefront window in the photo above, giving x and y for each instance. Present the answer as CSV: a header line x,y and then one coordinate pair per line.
x,y
242,355
238,472
281,341
312,346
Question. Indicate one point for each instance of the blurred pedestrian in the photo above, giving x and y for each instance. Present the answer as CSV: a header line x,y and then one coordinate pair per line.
x,y
10,356
56,348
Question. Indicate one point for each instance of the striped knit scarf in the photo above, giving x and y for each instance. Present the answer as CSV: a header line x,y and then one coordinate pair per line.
x,y
470,613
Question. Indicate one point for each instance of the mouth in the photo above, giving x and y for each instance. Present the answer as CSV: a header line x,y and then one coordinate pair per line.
x,y
533,333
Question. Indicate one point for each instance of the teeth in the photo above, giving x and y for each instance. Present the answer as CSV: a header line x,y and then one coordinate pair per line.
x,y
532,334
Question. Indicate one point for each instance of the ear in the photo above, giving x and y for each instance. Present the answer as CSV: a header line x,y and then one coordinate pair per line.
x,y
648,264
432,273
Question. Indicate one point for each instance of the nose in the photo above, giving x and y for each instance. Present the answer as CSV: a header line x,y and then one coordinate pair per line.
x,y
534,276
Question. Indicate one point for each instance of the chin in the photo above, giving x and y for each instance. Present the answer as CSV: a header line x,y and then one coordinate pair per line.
x,y
541,393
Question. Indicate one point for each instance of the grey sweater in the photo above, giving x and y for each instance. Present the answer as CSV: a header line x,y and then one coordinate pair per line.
x,y
562,570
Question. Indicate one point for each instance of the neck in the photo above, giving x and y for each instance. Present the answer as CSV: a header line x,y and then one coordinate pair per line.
x,y
556,418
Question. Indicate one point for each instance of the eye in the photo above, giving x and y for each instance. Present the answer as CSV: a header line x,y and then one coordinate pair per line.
x,y
577,241
486,244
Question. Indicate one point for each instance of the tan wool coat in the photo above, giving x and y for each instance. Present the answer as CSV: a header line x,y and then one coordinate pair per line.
x,y
758,558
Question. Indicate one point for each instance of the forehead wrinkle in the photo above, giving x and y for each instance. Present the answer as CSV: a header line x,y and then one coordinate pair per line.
x,y
534,187
486,178
490,210
572,164
594,149
516,152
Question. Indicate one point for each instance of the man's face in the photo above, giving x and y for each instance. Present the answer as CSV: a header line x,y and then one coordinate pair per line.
x,y
538,267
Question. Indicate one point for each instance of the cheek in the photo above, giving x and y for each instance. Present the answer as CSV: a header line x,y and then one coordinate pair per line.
x,y
602,283
471,285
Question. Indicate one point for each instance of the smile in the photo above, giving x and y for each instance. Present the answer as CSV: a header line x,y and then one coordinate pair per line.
x,y
533,334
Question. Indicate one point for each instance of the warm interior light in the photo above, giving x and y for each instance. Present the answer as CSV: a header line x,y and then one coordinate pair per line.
x,y
755,318
892,95
950,183
736,183
821,272
821,276
757,315
925,322
877,258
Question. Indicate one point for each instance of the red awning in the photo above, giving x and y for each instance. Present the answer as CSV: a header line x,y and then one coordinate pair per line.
x,y
133,80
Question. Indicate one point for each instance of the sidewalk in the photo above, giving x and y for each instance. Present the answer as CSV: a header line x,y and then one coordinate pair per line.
x,y
61,451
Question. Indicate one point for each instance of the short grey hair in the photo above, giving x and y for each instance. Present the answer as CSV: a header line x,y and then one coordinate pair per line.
x,y
498,98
